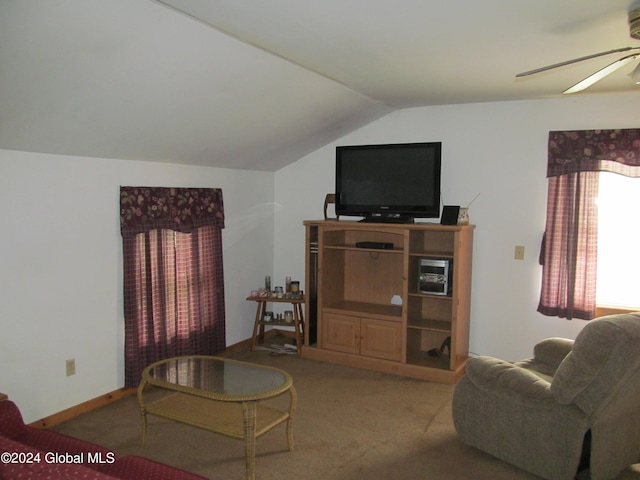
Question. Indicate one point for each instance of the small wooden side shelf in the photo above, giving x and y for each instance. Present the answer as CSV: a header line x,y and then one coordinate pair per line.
x,y
351,314
259,324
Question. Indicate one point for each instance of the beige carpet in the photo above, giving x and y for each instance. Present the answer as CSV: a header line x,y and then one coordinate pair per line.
x,y
351,424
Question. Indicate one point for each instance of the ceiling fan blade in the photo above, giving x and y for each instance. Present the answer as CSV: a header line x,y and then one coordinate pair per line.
x,y
600,74
576,60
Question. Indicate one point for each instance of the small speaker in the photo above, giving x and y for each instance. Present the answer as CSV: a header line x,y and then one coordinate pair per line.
x,y
450,215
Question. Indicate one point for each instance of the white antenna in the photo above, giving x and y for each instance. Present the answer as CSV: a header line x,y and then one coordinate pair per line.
x,y
474,199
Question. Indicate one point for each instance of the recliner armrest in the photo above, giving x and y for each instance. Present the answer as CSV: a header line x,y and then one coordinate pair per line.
x,y
504,378
552,351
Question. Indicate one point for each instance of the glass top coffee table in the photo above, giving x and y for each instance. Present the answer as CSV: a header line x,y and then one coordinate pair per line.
x,y
220,395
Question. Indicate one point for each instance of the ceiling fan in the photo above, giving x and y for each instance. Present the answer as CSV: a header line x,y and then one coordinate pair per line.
x,y
634,32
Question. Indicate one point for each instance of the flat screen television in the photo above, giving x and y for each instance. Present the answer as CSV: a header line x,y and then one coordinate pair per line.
x,y
393,183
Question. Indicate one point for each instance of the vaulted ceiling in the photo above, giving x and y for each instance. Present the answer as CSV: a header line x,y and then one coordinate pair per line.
x,y
258,84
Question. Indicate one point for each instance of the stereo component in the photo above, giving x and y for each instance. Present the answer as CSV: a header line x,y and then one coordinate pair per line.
x,y
435,276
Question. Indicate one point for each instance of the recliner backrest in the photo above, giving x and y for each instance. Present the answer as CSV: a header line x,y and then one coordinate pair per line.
x,y
605,354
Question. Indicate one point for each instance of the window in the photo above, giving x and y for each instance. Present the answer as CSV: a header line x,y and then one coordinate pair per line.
x,y
618,233
569,257
173,276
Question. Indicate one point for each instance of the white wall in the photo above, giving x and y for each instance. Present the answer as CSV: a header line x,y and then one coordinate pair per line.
x,y
496,149
61,260
61,268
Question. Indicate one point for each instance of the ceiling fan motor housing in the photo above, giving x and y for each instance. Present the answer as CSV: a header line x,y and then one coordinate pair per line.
x,y
634,23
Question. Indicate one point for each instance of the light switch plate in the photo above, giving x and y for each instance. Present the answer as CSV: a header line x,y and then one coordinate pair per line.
x,y
71,367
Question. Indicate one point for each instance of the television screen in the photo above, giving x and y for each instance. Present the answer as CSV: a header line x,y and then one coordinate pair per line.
x,y
389,183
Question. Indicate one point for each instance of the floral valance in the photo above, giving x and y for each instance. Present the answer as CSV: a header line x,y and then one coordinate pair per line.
x,y
616,151
181,209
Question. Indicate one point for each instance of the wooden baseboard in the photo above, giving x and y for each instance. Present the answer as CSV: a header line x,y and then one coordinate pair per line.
x,y
107,398
83,407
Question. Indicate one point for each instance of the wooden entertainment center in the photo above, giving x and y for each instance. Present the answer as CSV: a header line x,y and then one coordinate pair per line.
x,y
365,307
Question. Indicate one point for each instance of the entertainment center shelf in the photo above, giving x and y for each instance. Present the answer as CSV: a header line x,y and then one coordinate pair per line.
x,y
384,308
373,310
360,249
433,325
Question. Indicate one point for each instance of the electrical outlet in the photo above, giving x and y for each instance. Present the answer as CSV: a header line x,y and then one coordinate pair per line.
x,y
519,255
71,367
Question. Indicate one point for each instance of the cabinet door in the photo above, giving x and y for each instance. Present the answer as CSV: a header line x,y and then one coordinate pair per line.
x,y
381,339
341,333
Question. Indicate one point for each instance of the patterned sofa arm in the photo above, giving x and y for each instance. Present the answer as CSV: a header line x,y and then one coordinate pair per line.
x,y
11,424
22,462
96,462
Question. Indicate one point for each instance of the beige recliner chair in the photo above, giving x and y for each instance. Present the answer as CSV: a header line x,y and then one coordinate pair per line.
x,y
572,401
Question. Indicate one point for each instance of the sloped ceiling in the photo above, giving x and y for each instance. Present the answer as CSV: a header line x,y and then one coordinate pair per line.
x,y
257,85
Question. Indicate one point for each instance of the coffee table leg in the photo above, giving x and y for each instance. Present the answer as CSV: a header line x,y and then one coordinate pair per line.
x,y
143,411
292,411
249,414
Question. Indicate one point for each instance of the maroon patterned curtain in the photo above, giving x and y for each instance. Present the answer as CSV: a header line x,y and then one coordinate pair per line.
x,y
181,209
173,274
616,151
569,249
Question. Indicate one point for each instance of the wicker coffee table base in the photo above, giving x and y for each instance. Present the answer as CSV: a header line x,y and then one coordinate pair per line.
x,y
244,420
